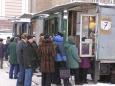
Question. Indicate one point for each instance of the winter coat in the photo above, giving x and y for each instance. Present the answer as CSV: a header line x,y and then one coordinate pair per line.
x,y
29,56
60,51
72,55
37,62
12,53
85,62
2,47
47,54
19,50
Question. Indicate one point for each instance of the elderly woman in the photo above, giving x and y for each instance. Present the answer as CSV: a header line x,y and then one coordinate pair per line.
x,y
47,52
72,58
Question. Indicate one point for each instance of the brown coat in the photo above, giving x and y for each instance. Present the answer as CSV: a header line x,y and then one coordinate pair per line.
x,y
47,54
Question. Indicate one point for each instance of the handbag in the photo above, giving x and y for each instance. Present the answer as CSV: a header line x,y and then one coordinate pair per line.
x,y
64,73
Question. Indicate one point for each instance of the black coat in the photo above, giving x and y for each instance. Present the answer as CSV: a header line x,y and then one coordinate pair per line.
x,y
19,50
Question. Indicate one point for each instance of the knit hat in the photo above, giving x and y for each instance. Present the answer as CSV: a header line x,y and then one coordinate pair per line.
x,y
29,37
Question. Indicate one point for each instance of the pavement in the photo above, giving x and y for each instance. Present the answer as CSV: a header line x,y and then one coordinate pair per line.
x,y
36,79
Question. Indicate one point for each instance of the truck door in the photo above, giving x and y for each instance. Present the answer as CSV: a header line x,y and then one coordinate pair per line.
x,y
87,35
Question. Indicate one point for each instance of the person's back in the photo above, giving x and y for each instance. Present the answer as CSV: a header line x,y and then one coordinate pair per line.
x,y
12,53
73,58
47,53
13,72
59,42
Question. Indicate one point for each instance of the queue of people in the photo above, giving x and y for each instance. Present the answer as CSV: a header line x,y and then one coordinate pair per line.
x,y
51,55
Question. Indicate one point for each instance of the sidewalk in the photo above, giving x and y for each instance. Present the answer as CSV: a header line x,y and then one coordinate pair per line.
x,y
4,79
36,80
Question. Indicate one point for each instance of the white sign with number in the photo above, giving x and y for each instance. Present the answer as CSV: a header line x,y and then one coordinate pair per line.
x,y
105,25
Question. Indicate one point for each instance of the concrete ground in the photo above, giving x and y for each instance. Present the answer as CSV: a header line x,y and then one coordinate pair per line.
x,y
36,81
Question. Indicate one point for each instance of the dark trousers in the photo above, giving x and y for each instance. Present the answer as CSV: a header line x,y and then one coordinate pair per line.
x,y
46,79
14,68
83,75
75,73
6,56
1,62
56,75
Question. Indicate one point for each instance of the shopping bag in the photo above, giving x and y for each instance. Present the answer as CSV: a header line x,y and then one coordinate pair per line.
x,y
64,73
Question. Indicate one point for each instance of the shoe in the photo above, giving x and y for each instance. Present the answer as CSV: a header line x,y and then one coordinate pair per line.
x,y
15,77
10,77
58,84
79,83
70,84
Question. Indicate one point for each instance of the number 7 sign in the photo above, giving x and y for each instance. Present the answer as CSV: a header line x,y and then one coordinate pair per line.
x,y
105,24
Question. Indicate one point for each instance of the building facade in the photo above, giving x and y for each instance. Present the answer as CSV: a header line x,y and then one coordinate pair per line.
x,y
43,5
11,9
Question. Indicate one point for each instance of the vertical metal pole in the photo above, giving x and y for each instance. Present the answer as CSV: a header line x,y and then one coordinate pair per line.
x,y
64,26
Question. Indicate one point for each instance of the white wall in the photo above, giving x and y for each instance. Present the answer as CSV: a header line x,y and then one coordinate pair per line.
x,y
2,7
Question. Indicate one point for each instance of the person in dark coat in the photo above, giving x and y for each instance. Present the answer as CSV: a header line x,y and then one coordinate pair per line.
x,y
47,53
37,60
29,56
13,59
6,47
20,58
1,53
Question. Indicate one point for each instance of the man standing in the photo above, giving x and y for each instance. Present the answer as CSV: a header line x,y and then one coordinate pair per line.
x,y
13,59
6,47
29,56
20,49
1,53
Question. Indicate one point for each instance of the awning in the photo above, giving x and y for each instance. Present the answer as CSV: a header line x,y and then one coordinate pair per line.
x,y
65,7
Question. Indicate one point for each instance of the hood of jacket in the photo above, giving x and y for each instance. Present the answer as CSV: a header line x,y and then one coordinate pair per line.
x,y
71,40
58,39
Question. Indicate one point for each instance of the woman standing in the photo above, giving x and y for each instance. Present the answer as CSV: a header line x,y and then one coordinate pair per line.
x,y
73,58
47,54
